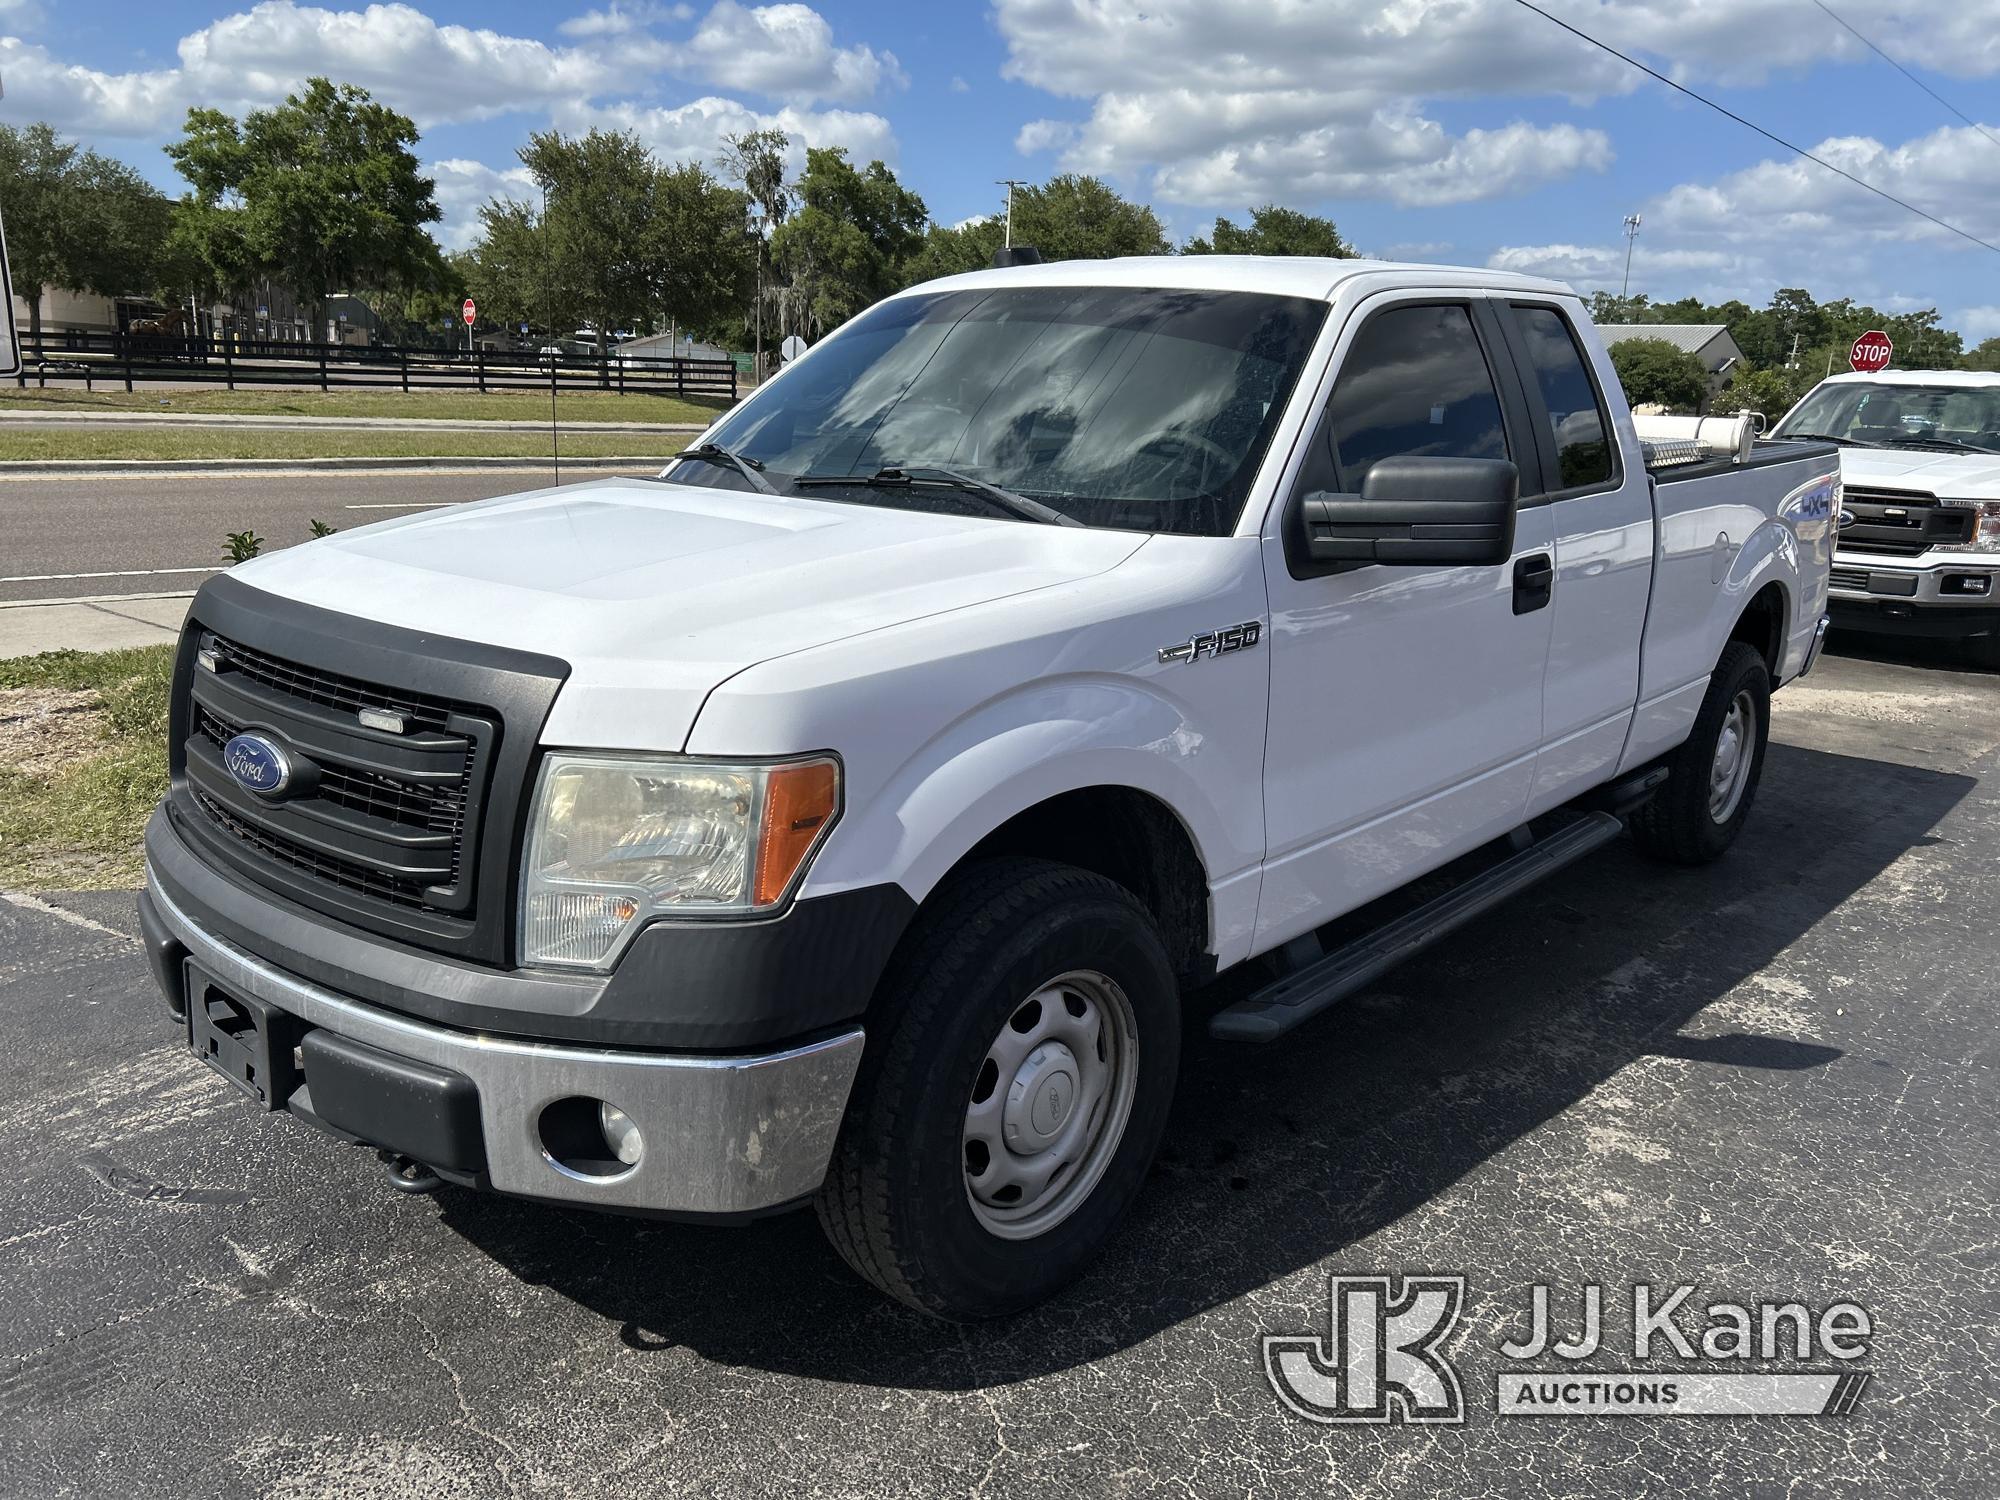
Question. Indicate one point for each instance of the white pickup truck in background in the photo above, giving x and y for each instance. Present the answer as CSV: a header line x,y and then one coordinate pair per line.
x,y
1920,457
846,815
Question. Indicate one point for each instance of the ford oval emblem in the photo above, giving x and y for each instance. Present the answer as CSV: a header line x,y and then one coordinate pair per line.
x,y
258,764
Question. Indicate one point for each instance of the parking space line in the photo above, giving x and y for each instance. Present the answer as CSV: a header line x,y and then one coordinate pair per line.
x,y
114,573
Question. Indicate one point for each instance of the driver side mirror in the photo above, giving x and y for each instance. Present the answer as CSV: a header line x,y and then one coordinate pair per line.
x,y
1417,510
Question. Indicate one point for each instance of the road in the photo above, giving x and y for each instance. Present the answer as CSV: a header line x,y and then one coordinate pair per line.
x,y
148,533
1773,1078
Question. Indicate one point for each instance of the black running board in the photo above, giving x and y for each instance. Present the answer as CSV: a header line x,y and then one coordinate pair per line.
x,y
1298,997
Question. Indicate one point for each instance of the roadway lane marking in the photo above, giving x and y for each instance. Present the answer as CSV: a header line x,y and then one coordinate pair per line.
x,y
404,505
62,914
115,573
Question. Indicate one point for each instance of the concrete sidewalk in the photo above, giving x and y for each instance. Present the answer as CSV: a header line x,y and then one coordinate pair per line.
x,y
101,622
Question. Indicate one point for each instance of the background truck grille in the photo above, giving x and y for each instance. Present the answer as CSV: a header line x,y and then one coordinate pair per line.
x,y
1902,524
1850,578
388,817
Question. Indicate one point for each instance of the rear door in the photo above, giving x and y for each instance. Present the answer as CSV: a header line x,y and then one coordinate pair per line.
x,y
1602,517
1406,702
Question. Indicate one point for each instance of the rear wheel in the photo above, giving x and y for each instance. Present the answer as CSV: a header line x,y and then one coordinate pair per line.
x,y
1696,816
1020,1061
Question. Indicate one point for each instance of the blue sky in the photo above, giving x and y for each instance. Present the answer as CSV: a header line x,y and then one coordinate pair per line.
x,y
1470,131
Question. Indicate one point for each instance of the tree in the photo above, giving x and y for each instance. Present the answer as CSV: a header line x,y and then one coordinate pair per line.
x,y
1273,231
704,249
1654,371
1985,357
510,270
850,241
756,159
601,191
76,219
1772,392
327,184
1067,218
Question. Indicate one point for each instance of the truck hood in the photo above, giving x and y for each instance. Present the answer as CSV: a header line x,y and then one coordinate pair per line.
x,y
655,593
1955,476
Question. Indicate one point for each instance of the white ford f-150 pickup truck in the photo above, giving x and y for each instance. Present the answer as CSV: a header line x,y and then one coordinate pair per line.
x,y
843,815
1920,458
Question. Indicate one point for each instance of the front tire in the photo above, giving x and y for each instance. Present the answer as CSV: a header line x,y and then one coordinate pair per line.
x,y
1713,778
1020,1062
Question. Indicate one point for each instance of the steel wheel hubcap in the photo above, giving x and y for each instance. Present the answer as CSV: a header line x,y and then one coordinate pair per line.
x,y
1729,773
1050,1104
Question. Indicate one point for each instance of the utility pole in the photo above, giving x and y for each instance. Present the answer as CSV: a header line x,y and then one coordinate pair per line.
x,y
1007,232
757,359
1631,235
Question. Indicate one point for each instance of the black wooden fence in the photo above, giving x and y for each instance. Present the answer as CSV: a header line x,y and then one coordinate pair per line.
x,y
122,358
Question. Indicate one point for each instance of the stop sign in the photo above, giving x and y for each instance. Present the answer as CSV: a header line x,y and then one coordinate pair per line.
x,y
1871,352
470,312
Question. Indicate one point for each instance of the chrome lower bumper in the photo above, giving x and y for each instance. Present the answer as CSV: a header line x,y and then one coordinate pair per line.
x,y
723,1135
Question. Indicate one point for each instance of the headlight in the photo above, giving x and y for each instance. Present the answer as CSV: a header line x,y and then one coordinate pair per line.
x,y
615,840
1985,525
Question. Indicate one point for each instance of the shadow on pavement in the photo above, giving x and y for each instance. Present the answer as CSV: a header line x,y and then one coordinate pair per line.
x,y
1279,1158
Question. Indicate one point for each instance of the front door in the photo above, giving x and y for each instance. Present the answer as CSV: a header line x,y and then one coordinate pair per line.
x,y
1406,702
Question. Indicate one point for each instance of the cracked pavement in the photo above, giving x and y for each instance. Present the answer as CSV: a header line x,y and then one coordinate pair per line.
x,y
1774,1078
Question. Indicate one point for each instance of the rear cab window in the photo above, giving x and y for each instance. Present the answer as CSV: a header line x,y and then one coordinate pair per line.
x,y
1572,417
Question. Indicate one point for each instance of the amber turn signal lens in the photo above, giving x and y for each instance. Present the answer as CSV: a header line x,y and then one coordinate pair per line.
x,y
799,803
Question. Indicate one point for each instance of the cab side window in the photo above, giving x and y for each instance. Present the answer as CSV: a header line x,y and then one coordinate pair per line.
x,y
1576,418
1415,381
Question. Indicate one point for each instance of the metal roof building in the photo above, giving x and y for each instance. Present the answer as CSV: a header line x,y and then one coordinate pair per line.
x,y
1708,342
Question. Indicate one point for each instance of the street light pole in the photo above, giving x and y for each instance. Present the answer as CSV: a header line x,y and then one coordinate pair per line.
x,y
1631,237
757,359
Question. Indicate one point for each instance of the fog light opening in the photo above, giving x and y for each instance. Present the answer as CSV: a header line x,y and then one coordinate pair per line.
x,y
588,1138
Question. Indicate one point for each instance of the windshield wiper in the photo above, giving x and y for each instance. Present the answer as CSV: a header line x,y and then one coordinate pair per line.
x,y
1950,445
895,477
1827,437
715,453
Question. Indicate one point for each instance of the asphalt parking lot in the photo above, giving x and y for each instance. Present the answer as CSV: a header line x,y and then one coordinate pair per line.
x,y
1774,1078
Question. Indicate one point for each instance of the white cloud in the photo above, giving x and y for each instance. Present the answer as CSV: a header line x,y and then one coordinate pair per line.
x,y
1790,223
786,52
440,74
696,131
1978,323
622,20
463,187
1229,101
433,73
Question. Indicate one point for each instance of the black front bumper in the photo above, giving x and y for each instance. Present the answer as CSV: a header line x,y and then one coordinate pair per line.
x,y
1901,617
694,987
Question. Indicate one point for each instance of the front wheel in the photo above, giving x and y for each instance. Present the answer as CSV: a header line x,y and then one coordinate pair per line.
x,y
1713,777
1019,1065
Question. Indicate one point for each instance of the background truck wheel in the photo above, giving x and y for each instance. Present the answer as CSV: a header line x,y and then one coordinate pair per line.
x,y
1696,816
1020,1060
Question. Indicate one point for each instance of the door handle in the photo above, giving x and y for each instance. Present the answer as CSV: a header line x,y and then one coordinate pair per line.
x,y
1534,582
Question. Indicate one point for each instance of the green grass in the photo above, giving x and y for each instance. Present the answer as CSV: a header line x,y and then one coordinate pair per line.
x,y
463,406
212,443
79,827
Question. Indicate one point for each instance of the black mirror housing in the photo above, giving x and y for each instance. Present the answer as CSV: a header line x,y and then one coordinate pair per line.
x,y
1419,511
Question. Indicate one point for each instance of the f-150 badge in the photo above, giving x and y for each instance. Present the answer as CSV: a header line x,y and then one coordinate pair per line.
x,y
1215,642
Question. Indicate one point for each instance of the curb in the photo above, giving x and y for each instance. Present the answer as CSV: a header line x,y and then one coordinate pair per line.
x,y
57,468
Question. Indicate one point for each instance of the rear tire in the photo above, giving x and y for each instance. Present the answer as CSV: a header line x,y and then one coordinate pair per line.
x,y
1020,1061
1713,777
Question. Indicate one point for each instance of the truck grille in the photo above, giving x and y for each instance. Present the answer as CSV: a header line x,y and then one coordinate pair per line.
x,y
388,817
1902,524
1849,578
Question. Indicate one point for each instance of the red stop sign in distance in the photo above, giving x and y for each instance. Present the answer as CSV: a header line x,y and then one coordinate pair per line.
x,y
1871,352
472,312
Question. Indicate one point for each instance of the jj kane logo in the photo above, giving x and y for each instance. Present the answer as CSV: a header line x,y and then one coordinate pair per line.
x,y
1382,1358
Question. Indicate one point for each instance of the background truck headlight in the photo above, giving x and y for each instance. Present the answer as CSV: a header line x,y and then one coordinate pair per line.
x,y
616,840
1986,526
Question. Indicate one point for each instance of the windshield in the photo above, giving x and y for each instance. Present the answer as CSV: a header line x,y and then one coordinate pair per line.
x,y
1862,412
1135,408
